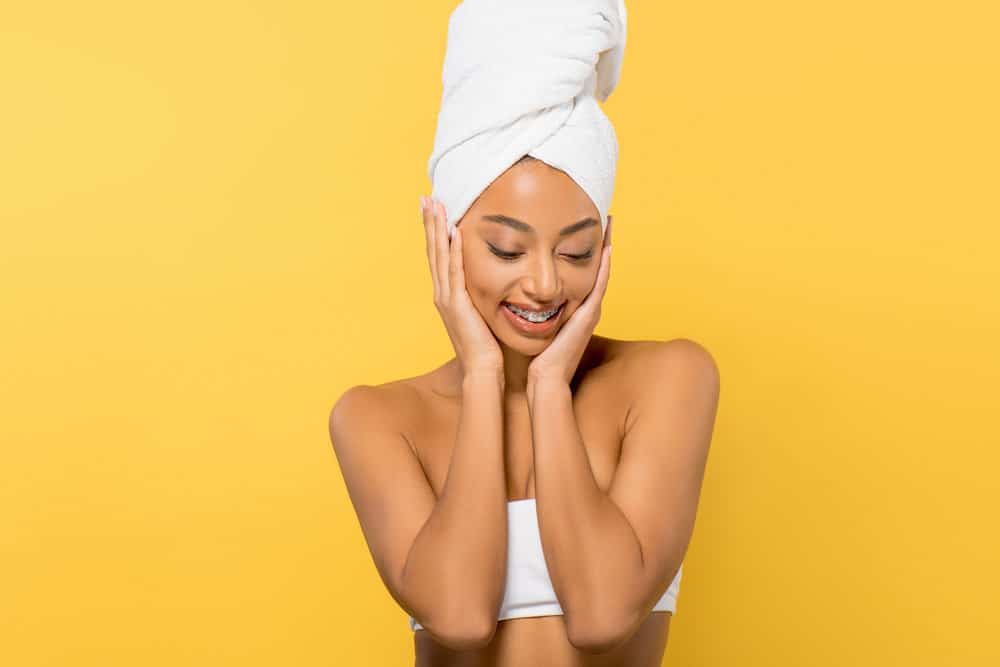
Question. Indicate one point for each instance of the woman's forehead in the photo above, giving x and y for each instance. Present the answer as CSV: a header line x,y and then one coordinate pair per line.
x,y
536,193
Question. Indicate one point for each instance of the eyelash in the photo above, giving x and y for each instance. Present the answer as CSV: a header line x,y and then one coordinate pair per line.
x,y
511,256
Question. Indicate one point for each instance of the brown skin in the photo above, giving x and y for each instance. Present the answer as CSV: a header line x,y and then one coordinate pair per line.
x,y
548,200
417,452
433,403
544,275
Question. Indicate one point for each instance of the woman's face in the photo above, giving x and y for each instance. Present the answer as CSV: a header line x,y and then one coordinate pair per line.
x,y
513,250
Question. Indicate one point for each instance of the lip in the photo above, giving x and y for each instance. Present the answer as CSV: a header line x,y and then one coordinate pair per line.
x,y
533,328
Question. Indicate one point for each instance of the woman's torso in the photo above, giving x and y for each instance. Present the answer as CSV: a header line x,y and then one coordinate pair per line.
x,y
601,395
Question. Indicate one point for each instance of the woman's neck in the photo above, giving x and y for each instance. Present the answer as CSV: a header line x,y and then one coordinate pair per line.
x,y
515,371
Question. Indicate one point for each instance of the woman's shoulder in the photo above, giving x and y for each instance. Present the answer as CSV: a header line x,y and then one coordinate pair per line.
x,y
638,360
675,347
609,350
389,410
409,400
392,399
394,402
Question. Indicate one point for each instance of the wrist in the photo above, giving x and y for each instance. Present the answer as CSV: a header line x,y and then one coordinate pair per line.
x,y
546,379
544,385
479,377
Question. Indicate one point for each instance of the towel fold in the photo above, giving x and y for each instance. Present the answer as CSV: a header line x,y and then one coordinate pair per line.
x,y
524,77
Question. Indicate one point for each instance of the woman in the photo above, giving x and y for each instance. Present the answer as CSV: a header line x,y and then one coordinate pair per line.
x,y
530,501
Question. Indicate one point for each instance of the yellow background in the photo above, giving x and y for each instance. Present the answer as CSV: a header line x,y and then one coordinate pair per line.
x,y
210,230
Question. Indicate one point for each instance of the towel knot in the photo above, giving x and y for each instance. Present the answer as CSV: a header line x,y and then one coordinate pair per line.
x,y
524,77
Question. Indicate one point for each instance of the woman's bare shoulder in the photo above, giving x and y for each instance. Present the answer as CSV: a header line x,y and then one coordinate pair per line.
x,y
616,353
636,360
620,348
398,404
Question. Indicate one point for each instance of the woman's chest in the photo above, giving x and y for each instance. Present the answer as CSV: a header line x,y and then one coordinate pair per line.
x,y
599,415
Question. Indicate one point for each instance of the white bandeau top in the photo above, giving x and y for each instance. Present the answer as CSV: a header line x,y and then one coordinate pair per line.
x,y
529,590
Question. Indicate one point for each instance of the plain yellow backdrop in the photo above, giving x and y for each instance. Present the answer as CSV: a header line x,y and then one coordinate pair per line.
x,y
210,230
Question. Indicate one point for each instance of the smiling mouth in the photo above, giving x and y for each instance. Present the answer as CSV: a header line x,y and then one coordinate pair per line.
x,y
533,316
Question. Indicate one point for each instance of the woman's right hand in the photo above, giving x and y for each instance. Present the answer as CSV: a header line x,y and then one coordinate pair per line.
x,y
475,345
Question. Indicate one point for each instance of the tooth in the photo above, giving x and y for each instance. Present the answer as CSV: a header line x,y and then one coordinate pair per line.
x,y
533,316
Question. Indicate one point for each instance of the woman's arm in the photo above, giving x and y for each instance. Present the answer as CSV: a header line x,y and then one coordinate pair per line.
x,y
611,556
442,560
456,569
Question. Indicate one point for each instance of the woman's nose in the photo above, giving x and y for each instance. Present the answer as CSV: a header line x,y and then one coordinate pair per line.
x,y
542,283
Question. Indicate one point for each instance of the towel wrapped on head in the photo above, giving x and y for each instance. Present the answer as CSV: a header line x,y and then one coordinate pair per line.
x,y
523,77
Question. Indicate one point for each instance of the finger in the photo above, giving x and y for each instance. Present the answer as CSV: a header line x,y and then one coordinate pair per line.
x,y
596,295
429,234
604,272
457,267
443,249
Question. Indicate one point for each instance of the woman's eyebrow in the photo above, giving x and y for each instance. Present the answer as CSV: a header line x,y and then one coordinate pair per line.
x,y
522,226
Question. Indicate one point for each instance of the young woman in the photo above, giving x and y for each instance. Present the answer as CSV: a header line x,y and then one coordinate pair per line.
x,y
531,500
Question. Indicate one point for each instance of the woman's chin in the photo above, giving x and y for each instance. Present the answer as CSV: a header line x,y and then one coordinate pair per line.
x,y
529,346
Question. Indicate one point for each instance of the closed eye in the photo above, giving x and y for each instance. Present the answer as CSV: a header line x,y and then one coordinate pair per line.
x,y
511,256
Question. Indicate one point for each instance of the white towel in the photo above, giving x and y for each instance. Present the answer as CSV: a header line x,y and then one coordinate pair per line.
x,y
520,78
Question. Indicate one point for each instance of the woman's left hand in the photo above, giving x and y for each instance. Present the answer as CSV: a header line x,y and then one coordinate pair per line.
x,y
560,359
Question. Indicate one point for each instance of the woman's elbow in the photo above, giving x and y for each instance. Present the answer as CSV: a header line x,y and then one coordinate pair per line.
x,y
465,633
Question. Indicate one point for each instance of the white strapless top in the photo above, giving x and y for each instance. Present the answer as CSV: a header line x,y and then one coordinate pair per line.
x,y
529,590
